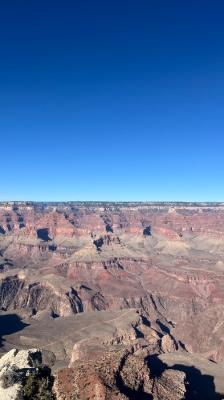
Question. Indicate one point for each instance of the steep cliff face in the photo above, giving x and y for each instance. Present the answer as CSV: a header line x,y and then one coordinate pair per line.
x,y
35,297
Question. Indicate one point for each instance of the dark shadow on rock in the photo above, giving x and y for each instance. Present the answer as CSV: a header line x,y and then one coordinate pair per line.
x,y
131,393
109,228
6,263
43,234
198,386
138,333
10,323
182,345
82,286
156,366
52,247
98,243
147,231
163,327
2,230
146,321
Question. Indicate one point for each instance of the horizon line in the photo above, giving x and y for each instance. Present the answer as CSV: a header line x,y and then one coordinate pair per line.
x,y
116,201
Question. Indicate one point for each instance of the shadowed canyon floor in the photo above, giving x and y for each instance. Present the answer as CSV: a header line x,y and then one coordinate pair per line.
x,y
125,300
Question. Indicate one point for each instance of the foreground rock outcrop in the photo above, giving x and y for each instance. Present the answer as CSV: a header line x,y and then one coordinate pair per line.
x,y
119,373
112,372
23,377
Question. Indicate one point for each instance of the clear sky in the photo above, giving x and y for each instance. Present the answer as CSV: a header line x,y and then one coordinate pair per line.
x,y
112,100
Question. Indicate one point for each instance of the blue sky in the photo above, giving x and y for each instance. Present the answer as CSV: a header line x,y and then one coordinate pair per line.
x,y
112,100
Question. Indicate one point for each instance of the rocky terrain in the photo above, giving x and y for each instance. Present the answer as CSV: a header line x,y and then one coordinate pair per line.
x,y
24,376
124,300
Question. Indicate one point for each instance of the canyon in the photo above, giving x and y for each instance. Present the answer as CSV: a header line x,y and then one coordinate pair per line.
x,y
123,300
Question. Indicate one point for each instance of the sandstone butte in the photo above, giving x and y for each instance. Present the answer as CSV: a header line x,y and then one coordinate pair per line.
x,y
115,300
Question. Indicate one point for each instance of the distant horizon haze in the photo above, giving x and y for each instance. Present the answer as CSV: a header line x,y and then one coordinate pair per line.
x,y
116,201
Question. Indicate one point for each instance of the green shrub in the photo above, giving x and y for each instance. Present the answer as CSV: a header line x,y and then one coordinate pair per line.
x,y
38,386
